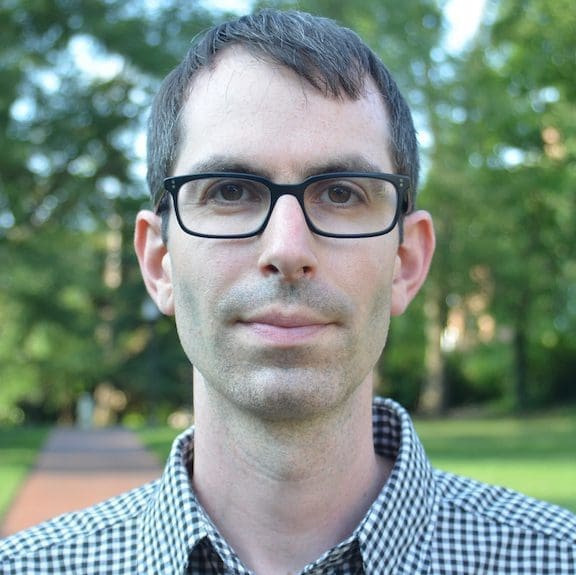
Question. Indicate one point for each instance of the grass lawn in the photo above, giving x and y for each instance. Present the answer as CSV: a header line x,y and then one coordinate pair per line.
x,y
535,454
18,449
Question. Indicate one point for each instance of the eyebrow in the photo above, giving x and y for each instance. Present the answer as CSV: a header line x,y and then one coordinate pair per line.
x,y
221,163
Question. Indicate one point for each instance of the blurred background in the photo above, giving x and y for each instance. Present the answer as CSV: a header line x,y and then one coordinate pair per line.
x,y
493,89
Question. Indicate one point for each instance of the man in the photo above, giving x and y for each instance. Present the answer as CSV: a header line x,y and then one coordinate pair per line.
x,y
283,168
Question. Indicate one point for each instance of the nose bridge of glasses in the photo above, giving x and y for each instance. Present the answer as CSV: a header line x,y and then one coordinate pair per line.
x,y
278,191
294,190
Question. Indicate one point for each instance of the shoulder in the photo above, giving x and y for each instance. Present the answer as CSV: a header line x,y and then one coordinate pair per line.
x,y
75,542
504,507
503,527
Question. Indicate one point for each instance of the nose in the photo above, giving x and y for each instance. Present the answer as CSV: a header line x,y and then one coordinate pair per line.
x,y
287,243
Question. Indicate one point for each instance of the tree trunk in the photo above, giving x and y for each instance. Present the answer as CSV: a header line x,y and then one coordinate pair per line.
x,y
520,344
433,398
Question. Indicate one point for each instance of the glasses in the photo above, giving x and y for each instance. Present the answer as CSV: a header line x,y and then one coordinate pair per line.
x,y
336,205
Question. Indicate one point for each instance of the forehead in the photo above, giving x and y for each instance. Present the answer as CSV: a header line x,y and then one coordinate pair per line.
x,y
250,109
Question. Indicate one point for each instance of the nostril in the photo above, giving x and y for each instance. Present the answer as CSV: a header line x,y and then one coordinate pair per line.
x,y
296,272
288,272
270,269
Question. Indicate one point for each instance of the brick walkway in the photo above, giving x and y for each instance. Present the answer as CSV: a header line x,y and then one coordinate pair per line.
x,y
77,468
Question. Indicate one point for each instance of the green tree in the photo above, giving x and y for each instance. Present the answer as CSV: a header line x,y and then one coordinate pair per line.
x,y
504,172
498,314
77,79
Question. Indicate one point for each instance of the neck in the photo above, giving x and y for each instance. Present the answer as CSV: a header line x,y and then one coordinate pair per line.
x,y
284,492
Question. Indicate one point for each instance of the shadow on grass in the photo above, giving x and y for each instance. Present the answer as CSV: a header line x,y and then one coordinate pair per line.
x,y
20,445
509,439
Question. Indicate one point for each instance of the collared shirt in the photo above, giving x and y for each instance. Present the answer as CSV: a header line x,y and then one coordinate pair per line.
x,y
424,521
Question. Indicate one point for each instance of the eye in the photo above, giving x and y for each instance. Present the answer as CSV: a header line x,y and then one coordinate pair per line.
x,y
233,192
340,194
230,192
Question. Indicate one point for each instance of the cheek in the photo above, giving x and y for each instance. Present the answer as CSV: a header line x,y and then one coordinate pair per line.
x,y
194,304
368,282
205,270
369,331
366,275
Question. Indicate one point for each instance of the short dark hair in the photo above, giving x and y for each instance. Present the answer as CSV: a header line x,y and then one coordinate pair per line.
x,y
333,59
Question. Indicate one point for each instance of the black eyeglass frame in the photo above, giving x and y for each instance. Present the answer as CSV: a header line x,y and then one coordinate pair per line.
x,y
401,184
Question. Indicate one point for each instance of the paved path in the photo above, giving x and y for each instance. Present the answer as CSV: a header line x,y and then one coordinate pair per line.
x,y
77,468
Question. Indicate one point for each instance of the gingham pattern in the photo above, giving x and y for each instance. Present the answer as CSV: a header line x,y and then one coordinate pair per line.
x,y
423,522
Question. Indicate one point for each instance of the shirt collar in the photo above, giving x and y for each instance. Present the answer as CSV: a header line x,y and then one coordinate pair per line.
x,y
174,522
395,531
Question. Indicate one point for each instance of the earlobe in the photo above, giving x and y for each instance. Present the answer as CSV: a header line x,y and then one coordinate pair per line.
x,y
154,260
413,259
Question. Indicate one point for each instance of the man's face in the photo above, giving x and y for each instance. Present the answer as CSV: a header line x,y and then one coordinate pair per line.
x,y
287,324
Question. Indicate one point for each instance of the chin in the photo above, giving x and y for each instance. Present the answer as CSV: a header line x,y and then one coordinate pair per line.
x,y
290,394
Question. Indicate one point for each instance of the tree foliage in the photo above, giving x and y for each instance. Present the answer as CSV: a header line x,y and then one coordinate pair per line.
x,y
77,79
496,321
502,184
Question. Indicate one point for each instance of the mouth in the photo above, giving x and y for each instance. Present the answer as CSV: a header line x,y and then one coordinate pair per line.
x,y
285,328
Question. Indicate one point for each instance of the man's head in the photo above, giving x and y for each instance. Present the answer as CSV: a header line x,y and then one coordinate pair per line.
x,y
333,59
285,321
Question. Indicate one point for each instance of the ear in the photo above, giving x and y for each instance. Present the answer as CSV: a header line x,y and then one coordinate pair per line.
x,y
154,260
412,260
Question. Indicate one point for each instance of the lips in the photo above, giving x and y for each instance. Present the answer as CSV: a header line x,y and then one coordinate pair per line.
x,y
284,327
286,318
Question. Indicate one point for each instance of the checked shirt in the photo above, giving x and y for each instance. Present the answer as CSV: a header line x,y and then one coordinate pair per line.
x,y
424,521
